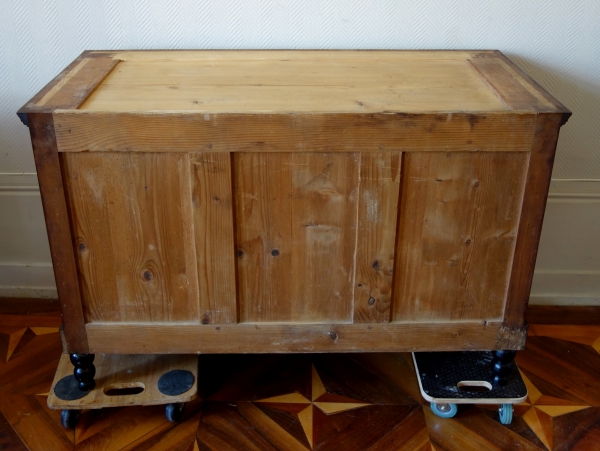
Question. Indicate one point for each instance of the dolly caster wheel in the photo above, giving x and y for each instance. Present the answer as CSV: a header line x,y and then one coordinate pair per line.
x,y
70,418
444,410
505,411
174,411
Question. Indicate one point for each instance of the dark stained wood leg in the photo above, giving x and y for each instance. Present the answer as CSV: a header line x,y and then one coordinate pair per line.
x,y
84,370
501,367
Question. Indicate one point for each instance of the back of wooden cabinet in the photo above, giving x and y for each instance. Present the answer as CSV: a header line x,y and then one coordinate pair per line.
x,y
224,238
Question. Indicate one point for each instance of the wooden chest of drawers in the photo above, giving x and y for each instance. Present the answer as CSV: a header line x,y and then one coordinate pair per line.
x,y
293,201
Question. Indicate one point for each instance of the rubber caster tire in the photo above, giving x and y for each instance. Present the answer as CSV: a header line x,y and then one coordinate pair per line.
x,y
174,411
505,411
70,418
444,410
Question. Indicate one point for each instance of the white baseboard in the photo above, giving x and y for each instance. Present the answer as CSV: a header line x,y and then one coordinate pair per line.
x,y
21,280
569,300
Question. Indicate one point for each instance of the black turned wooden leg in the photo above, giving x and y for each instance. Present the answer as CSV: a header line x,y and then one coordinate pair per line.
x,y
501,365
84,370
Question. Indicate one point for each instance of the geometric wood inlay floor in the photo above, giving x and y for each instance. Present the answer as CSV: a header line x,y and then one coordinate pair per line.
x,y
319,401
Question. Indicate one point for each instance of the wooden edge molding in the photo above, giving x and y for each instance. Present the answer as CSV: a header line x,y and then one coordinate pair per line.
x,y
560,108
541,160
142,338
78,131
513,86
71,87
512,337
49,174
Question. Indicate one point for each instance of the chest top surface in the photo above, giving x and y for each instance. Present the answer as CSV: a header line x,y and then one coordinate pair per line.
x,y
294,81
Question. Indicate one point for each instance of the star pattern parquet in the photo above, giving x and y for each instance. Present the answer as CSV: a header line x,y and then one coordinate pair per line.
x,y
304,402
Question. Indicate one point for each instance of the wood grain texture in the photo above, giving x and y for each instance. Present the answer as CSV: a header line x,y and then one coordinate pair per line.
x,y
473,432
35,423
31,107
514,91
212,204
457,210
9,440
527,80
138,338
79,131
35,357
59,233
126,371
377,218
539,174
78,84
296,233
132,222
264,212
260,85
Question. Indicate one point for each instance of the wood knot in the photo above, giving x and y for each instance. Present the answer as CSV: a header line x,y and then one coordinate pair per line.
x,y
148,275
376,265
205,319
82,247
333,336
371,300
275,252
240,253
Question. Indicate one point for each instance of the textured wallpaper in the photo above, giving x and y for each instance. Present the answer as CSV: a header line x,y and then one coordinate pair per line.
x,y
556,42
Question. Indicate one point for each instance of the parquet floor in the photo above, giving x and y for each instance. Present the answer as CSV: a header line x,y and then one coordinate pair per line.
x,y
322,402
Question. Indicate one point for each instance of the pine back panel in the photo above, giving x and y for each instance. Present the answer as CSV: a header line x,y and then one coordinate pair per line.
x,y
217,238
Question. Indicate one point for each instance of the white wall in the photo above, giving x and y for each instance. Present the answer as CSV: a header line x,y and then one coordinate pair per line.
x,y
556,42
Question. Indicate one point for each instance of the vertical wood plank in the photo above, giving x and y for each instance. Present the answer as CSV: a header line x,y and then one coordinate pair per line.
x,y
93,237
47,163
296,232
264,202
532,216
377,219
137,205
212,205
325,220
460,214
